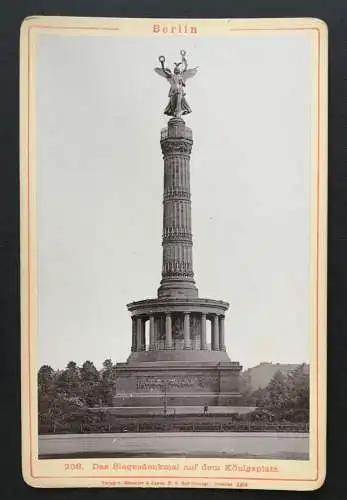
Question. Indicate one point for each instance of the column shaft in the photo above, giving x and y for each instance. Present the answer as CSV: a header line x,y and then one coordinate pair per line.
x,y
151,333
177,264
186,331
203,345
138,334
215,333
221,334
168,331
143,335
133,334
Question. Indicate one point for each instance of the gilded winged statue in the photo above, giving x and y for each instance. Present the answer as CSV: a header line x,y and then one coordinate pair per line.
x,y
178,105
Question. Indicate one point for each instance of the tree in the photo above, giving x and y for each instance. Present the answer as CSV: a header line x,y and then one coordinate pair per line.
x,y
108,379
299,387
299,393
59,395
287,396
46,394
69,381
65,395
276,395
45,378
90,382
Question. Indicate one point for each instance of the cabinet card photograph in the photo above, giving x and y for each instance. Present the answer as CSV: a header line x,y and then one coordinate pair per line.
x,y
173,252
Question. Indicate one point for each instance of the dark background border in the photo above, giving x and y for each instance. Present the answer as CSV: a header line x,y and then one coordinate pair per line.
x,y
12,13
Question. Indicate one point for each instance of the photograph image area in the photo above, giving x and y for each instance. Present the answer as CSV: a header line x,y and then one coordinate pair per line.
x,y
174,245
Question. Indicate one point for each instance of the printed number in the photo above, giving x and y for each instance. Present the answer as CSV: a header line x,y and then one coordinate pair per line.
x,y
77,466
241,484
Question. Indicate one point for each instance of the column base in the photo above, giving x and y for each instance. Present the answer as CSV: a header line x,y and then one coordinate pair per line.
x,y
175,289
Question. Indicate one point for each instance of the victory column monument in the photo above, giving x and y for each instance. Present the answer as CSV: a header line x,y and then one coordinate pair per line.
x,y
177,359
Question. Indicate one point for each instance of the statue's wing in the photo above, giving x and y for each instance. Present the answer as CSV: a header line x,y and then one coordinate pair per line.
x,y
161,72
189,73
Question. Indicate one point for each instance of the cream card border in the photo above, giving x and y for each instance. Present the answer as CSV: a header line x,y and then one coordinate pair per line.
x,y
296,475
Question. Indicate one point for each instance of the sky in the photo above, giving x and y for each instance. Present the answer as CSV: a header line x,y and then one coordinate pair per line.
x,y
99,112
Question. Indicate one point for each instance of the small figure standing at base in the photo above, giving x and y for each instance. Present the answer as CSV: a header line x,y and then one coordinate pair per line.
x,y
205,409
177,105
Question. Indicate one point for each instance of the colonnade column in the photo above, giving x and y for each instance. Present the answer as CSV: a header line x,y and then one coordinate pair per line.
x,y
168,331
138,338
151,333
203,345
186,331
138,334
215,333
143,335
221,334
133,334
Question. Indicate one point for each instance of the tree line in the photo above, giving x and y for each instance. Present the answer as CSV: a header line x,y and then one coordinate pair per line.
x,y
286,397
65,396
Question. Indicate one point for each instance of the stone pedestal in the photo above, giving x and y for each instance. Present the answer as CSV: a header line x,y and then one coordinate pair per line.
x,y
177,383
178,365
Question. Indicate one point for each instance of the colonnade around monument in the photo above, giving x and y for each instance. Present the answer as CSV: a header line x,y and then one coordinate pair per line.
x,y
178,331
